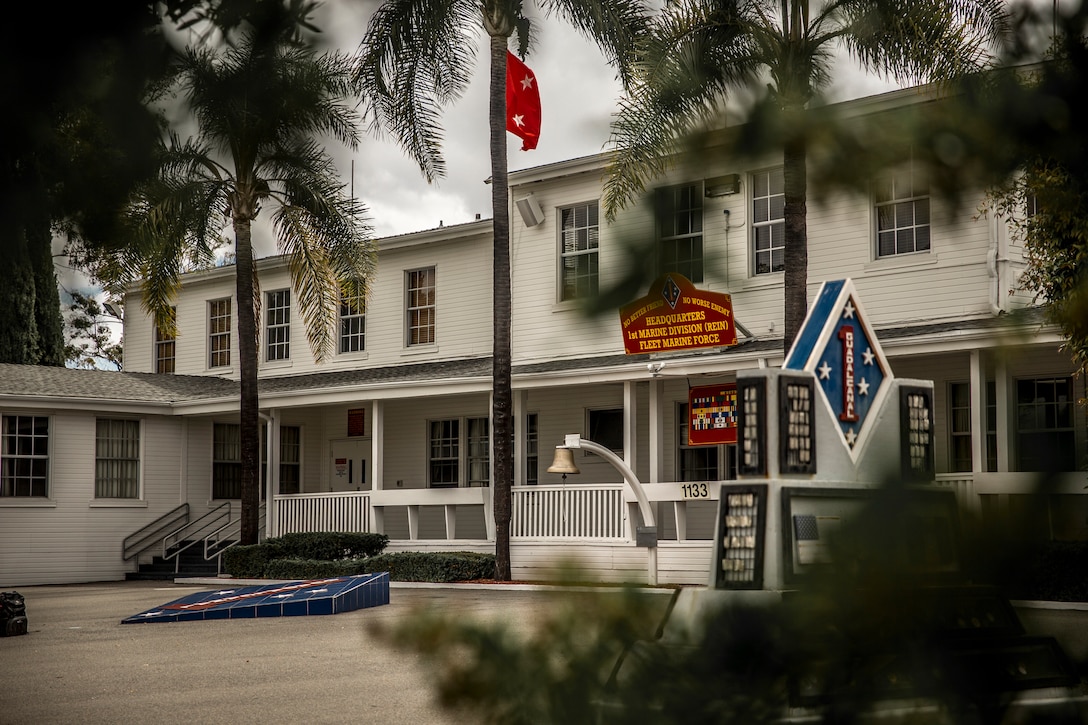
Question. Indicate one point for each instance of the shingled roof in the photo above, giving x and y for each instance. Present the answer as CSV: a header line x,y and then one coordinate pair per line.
x,y
53,382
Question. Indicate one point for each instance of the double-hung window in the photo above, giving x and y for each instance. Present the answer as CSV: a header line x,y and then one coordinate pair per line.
x,y
532,461
353,323
902,211
421,305
24,456
165,346
768,221
579,234
680,230
278,325
1044,424
459,453
227,460
117,458
219,333
959,427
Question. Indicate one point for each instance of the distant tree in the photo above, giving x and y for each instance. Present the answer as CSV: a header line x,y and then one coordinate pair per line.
x,y
417,56
702,54
90,342
30,331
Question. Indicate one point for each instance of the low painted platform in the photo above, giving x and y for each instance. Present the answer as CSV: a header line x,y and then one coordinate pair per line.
x,y
282,599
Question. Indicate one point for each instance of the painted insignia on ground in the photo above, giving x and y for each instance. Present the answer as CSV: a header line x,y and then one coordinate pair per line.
x,y
290,599
838,345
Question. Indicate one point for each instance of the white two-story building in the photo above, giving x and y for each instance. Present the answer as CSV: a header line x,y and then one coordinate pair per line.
x,y
392,433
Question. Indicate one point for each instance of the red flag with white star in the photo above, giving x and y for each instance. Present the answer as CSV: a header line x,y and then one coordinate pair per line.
x,y
522,102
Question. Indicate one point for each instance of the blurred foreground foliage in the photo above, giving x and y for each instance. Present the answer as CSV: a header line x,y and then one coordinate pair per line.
x,y
873,629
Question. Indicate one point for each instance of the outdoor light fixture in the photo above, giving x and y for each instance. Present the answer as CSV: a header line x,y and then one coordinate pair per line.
x,y
646,535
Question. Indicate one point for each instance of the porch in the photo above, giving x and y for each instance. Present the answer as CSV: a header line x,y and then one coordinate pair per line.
x,y
590,526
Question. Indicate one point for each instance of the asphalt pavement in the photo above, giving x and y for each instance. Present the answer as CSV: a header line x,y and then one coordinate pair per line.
x,y
79,664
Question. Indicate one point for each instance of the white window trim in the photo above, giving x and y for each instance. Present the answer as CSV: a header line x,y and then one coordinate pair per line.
x,y
49,499
573,302
267,328
155,342
208,335
352,354
462,449
875,215
406,311
660,238
140,497
750,201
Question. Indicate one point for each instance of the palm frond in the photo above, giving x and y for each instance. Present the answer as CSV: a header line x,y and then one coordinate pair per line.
x,y
688,63
923,40
416,57
616,26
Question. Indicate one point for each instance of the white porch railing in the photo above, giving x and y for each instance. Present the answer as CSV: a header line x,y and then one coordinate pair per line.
x,y
300,512
569,512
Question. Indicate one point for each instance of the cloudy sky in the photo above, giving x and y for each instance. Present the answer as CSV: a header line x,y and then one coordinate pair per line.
x,y
578,91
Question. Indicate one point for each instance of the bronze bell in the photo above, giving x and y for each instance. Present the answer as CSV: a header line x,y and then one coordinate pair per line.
x,y
564,462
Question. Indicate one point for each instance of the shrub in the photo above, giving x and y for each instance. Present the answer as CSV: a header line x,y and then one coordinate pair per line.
x,y
327,545
414,566
246,562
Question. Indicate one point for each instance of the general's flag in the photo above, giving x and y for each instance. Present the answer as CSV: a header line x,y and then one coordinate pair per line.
x,y
522,102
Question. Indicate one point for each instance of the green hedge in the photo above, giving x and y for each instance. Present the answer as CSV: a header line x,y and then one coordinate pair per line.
x,y
327,554
251,562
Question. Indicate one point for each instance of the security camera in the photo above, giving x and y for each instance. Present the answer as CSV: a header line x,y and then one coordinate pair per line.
x,y
655,367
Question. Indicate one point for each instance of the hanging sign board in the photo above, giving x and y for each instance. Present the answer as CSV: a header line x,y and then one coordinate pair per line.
x,y
677,316
712,414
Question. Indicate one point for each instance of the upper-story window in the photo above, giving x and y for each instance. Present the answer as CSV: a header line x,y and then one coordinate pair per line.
x,y
278,325
165,346
768,221
219,333
24,456
680,230
902,211
421,306
352,323
579,233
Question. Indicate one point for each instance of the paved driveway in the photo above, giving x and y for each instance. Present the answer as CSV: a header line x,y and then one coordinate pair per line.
x,y
79,664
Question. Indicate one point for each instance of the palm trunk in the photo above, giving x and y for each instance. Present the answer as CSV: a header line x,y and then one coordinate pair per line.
x,y
795,177
247,364
502,421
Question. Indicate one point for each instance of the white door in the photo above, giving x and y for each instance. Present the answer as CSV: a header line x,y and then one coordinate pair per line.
x,y
350,463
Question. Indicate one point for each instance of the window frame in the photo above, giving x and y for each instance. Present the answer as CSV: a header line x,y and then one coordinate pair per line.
x,y
592,428
411,309
9,483
461,463
217,335
236,463
532,449
771,222
1069,430
591,252
100,482
669,209
346,318
277,325
897,198
164,350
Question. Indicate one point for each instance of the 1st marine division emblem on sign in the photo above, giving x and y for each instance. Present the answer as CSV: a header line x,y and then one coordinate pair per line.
x,y
837,343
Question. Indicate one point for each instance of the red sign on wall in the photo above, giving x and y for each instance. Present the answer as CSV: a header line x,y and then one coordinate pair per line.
x,y
677,316
712,414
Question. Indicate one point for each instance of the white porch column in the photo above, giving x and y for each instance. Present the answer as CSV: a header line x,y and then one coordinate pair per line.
x,y
272,472
520,400
1004,437
978,427
377,449
489,499
630,437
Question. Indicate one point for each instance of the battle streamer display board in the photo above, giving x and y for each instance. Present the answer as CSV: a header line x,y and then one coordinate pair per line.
x,y
712,414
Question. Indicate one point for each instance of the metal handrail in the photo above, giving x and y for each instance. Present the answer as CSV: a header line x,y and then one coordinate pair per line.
x,y
212,550
143,539
172,543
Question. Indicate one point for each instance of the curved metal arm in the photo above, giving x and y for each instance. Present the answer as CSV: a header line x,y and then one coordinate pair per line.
x,y
575,441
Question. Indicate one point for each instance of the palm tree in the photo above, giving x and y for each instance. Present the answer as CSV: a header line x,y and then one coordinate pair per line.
x,y
417,56
260,105
699,53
